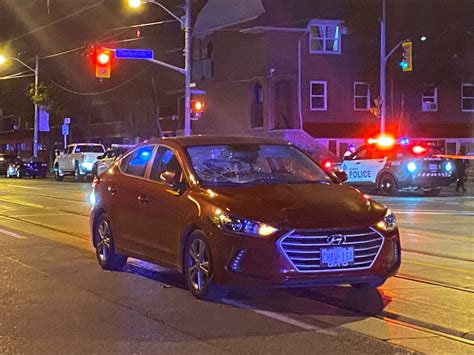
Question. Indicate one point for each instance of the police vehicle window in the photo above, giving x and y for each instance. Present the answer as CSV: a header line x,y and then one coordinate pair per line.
x,y
89,149
361,153
69,150
138,161
165,160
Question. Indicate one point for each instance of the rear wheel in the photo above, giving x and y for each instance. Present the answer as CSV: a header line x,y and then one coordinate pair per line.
x,y
387,185
198,269
104,246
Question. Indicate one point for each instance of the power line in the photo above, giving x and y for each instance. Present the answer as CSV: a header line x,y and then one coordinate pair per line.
x,y
100,92
56,21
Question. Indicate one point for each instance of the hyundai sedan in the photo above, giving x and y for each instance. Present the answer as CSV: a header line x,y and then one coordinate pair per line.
x,y
240,211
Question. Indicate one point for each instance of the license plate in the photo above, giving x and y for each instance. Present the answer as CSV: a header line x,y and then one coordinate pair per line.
x,y
337,256
433,166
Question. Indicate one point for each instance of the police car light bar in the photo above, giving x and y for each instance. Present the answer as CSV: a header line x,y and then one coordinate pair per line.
x,y
382,141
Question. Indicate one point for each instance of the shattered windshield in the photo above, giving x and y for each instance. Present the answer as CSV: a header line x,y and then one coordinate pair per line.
x,y
254,164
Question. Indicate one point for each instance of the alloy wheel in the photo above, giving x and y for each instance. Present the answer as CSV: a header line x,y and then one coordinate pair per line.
x,y
198,264
105,242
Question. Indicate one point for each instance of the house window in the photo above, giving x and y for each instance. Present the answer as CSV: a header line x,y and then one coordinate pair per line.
x,y
361,96
256,109
429,99
467,97
324,37
318,96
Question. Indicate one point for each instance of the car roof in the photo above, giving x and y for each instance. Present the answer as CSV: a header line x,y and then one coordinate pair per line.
x,y
217,140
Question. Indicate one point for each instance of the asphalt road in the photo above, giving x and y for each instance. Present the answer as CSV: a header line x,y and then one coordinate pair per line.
x,y
55,299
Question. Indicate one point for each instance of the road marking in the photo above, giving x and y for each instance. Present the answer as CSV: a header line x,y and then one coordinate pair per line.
x,y
420,212
11,234
278,317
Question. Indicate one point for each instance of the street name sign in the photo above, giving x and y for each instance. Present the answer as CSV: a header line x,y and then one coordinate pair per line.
x,y
123,53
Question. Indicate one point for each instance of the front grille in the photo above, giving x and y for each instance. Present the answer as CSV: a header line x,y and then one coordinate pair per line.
x,y
303,248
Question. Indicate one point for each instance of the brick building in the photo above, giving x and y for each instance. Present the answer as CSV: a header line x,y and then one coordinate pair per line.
x,y
307,71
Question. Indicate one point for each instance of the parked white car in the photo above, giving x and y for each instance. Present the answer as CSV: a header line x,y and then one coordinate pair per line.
x,y
77,160
107,159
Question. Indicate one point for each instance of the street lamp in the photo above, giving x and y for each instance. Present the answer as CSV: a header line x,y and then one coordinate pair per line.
x,y
35,70
186,26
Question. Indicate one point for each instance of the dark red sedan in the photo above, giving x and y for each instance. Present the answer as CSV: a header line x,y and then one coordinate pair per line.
x,y
240,211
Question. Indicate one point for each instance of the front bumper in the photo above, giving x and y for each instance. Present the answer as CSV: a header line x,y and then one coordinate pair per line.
x,y
259,262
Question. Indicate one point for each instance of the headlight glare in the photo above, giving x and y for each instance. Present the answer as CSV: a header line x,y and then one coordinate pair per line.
x,y
448,167
388,223
241,225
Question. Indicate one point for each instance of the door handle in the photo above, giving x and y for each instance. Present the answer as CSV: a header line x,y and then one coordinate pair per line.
x,y
112,190
381,161
358,162
142,199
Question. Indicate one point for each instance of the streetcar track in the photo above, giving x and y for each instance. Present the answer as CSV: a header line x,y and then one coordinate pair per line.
x,y
421,252
434,283
34,205
48,196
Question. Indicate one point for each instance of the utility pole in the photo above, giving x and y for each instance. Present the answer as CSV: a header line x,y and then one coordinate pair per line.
x,y
36,128
383,62
187,68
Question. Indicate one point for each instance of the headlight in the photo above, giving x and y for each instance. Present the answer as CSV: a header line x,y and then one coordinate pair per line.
x,y
241,225
86,165
388,223
411,166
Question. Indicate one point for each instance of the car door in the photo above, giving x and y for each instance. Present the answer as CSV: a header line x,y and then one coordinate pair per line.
x,y
165,209
362,166
63,160
124,195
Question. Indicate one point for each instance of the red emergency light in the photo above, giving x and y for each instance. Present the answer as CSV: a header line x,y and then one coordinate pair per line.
x,y
327,165
382,141
419,149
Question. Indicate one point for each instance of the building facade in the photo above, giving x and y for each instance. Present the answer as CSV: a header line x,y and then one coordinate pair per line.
x,y
306,71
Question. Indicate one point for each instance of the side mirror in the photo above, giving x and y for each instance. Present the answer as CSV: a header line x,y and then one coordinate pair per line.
x,y
340,174
168,177
57,152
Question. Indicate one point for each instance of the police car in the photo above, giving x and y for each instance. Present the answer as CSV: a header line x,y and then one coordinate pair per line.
x,y
391,167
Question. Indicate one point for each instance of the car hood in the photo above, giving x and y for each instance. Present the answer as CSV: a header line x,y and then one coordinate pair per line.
x,y
299,205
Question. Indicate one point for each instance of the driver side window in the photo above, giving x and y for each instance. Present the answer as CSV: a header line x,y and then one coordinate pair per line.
x,y
165,161
361,153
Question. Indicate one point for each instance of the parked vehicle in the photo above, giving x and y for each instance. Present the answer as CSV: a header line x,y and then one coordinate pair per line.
x,y
32,167
240,211
77,160
5,159
398,167
107,159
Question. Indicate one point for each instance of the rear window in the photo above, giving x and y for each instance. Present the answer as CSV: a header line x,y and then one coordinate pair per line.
x,y
89,149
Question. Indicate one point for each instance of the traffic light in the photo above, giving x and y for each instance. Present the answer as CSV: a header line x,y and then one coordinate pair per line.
x,y
103,63
197,108
407,56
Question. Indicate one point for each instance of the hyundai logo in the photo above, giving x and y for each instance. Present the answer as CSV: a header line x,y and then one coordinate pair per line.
x,y
336,239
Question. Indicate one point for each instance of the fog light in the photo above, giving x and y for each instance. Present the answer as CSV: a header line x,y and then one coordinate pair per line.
x,y
235,266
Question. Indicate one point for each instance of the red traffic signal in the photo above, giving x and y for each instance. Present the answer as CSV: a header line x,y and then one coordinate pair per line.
x,y
103,63
198,106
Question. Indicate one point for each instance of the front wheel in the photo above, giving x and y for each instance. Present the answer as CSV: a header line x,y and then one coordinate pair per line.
x,y
78,177
198,269
104,246
387,185
57,177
